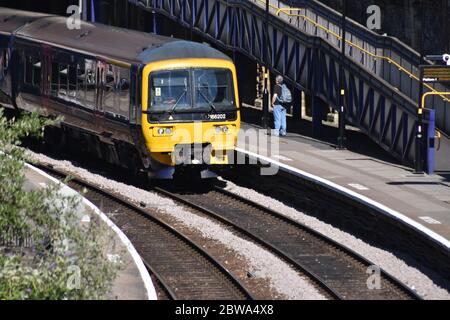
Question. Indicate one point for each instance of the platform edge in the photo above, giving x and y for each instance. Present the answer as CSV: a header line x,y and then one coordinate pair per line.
x,y
145,276
440,240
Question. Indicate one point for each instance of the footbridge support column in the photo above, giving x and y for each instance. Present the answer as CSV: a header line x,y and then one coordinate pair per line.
x,y
317,116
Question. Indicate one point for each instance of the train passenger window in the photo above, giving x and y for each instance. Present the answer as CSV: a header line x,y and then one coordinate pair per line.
x,y
3,62
90,67
6,54
66,81
37,67
81,83
123,89
72,79
28,70
63,79
55,78
33,71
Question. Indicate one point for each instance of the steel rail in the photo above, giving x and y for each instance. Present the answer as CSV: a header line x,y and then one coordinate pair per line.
x,y
289,256
240,291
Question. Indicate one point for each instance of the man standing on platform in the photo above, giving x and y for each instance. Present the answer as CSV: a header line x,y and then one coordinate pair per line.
x,y
281,99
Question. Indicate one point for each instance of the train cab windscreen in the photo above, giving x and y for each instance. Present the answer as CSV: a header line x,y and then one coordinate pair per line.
x,y
193,90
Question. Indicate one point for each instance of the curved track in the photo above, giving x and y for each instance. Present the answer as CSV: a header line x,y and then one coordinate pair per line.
x,y
182,269
339,272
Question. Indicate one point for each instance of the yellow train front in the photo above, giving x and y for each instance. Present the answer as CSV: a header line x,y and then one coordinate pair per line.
x,y
142,101
190,109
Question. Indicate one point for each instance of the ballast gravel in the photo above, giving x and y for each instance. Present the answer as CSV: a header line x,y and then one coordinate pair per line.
x,y
398,268
281,276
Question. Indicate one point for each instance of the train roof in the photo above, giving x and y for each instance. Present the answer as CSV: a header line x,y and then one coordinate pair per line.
x,y
102,40
11,19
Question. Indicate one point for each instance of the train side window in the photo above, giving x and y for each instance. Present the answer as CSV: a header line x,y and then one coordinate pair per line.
x,y
72,80
90,67
37,67
6,55
123,89
55,78
28,72
63,72
81,83
3,62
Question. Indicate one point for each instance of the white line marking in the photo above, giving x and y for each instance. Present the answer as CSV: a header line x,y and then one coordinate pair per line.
x,y
151,293
280,157
430,220
358,186
365,200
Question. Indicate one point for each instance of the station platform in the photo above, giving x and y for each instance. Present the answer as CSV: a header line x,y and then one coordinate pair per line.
x,y
133,281
419,201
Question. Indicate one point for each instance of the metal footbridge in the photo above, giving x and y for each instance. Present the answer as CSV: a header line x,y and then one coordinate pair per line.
x,y
304,44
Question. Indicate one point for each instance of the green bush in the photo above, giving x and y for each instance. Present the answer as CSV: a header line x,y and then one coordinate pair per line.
x,y
63,258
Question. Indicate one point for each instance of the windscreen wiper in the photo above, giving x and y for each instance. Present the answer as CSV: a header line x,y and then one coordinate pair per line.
x,y
178,100
211,105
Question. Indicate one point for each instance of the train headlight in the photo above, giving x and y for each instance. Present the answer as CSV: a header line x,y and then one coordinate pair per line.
x,y
162,131
222,129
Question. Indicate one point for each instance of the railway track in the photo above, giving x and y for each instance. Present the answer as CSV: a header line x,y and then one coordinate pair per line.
x,y
182,269
338,272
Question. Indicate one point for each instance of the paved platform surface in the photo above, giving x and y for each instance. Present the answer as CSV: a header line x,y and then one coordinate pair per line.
x,y
130,283
422,201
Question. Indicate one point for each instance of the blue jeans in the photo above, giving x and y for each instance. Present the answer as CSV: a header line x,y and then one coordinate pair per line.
x,y
279,114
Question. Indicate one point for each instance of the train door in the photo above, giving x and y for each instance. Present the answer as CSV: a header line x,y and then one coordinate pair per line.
x,y
46,81
5,80
101,71
101,121
46,73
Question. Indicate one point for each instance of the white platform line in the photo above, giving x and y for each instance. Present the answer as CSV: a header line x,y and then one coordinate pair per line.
x,y
151,293
429,220
354,195
280,157
358,186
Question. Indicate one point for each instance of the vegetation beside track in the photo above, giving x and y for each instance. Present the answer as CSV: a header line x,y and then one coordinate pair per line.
x,y
46,252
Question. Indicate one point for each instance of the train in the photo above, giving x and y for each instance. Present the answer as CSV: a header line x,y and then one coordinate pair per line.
x,y
149,103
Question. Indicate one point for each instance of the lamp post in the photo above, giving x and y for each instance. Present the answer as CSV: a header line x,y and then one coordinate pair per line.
x,y
266,62
341,138
418,165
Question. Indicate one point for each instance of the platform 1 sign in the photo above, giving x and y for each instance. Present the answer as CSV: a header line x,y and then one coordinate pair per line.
x,y
435,74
